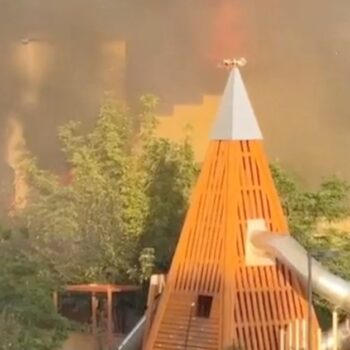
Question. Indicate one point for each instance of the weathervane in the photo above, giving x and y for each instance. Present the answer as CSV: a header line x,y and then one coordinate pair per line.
x,y
229,63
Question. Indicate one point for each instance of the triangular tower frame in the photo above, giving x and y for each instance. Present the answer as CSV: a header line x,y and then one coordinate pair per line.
x,y
214,297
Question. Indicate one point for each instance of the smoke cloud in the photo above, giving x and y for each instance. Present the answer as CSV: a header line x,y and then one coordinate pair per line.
x,y
54,67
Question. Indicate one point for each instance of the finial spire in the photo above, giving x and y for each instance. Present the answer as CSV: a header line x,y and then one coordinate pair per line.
x,y
236,119
230,63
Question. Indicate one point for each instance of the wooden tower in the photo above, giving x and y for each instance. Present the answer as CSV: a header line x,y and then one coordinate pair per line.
x,y
218,295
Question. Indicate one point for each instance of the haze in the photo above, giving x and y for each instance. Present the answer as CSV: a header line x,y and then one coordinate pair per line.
x,y
58,57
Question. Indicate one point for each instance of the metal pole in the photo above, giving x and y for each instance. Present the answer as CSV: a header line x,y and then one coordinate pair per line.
x,y
290,336
297,335
319,338
189,324
304,333
309,297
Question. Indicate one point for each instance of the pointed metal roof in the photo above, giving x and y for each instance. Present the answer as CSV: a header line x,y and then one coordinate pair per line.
x,y
236,118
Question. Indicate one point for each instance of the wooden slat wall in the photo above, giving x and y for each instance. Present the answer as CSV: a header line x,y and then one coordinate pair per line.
x,y
250,304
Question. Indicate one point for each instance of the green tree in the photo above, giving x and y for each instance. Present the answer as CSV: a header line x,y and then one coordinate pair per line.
x,y
28,319
124,205
170,174
11,332
306,209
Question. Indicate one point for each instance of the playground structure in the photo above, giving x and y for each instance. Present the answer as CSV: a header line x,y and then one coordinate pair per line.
x,y
238,279
101,308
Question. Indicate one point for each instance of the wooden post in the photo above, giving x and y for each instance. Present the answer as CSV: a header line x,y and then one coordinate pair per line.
x,y
335,329
152,292
94,314
55,300
109,319
157,284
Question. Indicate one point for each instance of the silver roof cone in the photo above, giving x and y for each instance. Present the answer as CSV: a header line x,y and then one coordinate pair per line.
x,y
236,118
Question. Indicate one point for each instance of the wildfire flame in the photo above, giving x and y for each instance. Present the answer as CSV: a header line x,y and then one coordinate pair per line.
x,y
14,151
33,59
228,33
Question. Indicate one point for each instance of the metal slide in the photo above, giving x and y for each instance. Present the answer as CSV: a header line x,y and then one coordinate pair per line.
x,y
134,338
333,288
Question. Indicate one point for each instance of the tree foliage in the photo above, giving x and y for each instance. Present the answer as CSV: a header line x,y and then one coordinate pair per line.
x,y
28,319
124,204
310,216
306,209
